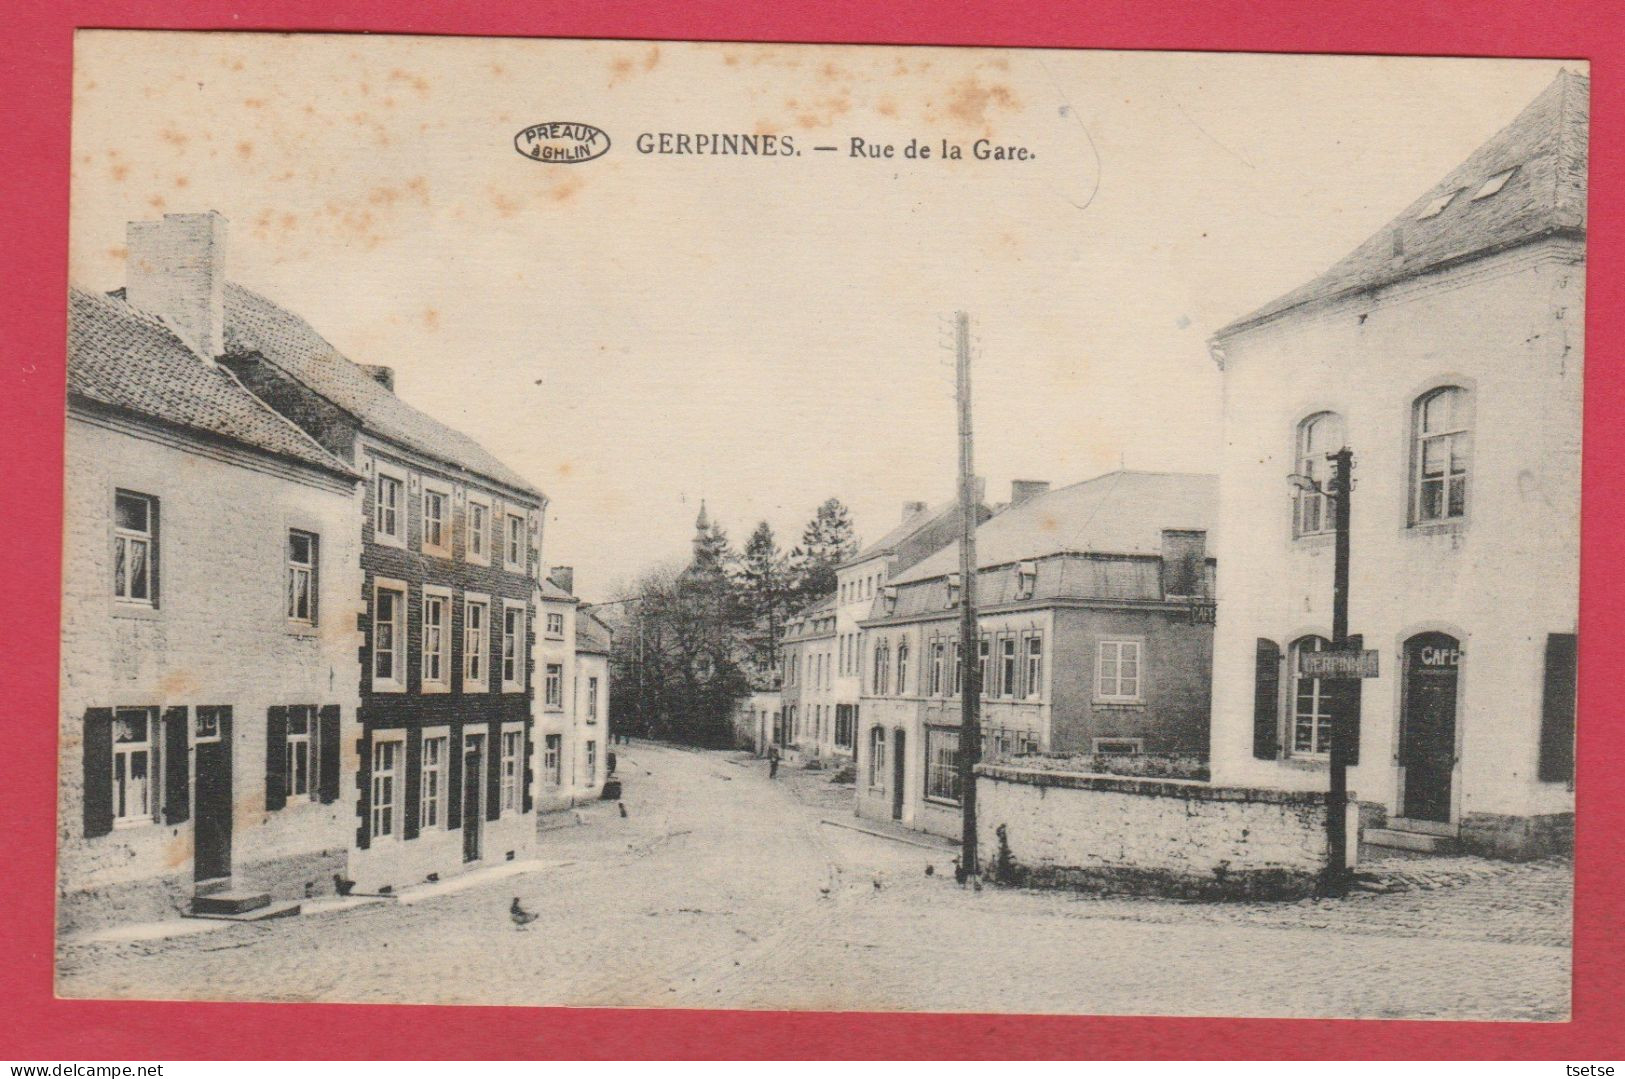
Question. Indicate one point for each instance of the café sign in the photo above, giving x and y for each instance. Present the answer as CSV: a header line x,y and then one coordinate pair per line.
x,y
1338,663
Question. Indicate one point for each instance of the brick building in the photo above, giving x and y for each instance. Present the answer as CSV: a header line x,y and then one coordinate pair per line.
x,y
211,581
449,554
1446,352
1085,600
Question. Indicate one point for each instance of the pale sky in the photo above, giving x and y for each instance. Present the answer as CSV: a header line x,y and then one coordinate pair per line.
x,y
637,332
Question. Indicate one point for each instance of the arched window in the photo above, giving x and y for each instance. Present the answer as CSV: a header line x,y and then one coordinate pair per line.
x,y
1311,704
1318,435
936,668
1441,455
902,668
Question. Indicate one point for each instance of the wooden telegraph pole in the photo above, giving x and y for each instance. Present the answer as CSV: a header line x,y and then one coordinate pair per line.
x,y
970,694
1343,722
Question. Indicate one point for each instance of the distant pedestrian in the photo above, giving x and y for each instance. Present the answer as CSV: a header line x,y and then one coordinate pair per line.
x,y
772,762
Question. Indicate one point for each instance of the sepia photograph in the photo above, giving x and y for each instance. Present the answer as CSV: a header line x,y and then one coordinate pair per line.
x,y
838,528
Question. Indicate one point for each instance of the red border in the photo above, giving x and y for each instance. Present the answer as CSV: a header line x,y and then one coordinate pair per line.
x,y
35,62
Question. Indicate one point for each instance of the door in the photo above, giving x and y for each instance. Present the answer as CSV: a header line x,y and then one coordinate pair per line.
x,y
473,795
211,835
1427,748
899,768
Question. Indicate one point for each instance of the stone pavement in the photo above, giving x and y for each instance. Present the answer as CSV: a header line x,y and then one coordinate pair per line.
x,y
721,888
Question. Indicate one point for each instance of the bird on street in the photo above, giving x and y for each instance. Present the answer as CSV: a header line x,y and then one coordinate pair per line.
x,y
521,917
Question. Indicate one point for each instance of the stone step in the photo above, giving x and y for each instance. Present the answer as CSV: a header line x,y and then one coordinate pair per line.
x,y
212,885
285,909
1403,840
230,901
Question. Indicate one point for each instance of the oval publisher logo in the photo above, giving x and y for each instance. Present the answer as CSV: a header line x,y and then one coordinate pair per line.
x,y
561,142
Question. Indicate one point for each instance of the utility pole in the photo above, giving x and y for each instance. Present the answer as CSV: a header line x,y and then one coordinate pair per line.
x,y
1342,721
970,695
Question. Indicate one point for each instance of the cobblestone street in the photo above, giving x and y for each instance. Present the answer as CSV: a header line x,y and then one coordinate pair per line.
x,y
723,889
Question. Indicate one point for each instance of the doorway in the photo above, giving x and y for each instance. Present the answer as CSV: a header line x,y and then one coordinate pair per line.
x,y
1427,741
211,835
899,769
473,795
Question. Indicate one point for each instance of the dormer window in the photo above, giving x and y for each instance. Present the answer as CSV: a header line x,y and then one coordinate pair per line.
x,y
1437,206
1026,578
888,597
1493,184
953,589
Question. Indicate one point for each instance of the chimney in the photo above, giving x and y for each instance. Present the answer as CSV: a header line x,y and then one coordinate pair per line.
x,y
1022,490
384,376
912,510
176,270
564,577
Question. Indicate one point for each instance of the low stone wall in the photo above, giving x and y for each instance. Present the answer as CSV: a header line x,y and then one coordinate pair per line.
x,y
1142,836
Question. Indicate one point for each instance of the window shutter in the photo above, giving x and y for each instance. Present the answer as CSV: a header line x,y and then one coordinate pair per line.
x,y
528,770
363,786
1267,700
328,753
98,751
1557,708
454,778
1351,705
414,783
276,755
493,772
177,777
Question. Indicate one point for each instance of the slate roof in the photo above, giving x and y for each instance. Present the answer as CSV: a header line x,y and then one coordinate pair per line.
x,y
256,325
591,634
551,591
901,532
1546,144
126,359
1121,513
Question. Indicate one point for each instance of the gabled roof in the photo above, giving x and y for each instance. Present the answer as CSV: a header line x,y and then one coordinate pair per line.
x,y
551,591
256,325
898,535
126,359
1546,146
1120,513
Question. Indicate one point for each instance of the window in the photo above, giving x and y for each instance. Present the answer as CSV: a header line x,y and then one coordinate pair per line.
x,y
554,691
389,611
132,766
1311,704
301,576
902,668
298,766
387,526
515,549
1026,579
1007,667
1493,184
952,595
434,781
1318,435
1441,455
877,757
435,501
592,700
936,668
386,761
1035,667
512,743
1436,206
552,759
479,530
942,764
555,624
592,762
959,665
135,519
982,648
882,656
513,628
476,626
436,631
1118,672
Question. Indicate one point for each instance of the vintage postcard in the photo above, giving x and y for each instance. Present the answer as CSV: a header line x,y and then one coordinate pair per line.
x,y
821,527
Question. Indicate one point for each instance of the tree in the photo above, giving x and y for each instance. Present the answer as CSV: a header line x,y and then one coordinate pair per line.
x,y
826,542
763,577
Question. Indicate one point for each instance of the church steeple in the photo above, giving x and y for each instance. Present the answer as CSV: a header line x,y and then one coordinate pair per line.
x,y
702,523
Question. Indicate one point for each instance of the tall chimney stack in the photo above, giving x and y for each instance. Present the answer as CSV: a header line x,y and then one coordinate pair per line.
x,y
176,269
564,577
